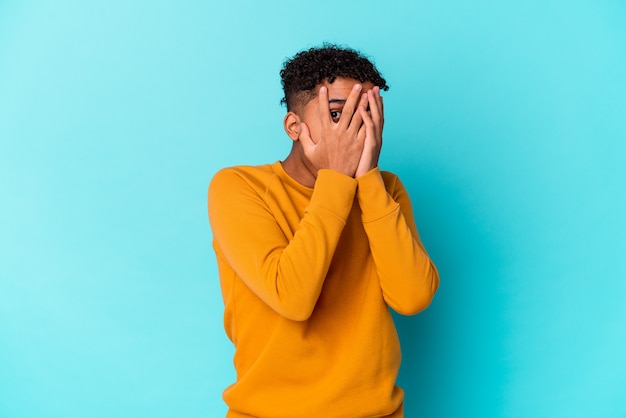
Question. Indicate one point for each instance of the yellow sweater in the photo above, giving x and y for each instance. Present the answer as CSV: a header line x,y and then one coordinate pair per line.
x,y
307,275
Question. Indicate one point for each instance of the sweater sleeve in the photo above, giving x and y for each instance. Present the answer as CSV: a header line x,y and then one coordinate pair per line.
x,y
287,273
408,278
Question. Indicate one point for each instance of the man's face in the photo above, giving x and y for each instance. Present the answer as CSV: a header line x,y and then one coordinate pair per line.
x,y
338,92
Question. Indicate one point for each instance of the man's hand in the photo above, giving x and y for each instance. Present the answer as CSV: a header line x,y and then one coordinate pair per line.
x,y
340,145
373,122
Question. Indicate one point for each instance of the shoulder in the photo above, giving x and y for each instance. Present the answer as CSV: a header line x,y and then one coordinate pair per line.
x,y
236,177
245,171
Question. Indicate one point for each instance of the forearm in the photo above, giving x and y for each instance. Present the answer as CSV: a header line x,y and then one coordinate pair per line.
x,y
408,278
286,269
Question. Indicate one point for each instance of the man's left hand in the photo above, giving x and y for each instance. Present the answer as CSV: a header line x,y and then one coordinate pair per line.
x,y
373,121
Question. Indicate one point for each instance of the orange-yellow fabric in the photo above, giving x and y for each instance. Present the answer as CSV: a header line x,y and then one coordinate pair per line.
x,y
307,277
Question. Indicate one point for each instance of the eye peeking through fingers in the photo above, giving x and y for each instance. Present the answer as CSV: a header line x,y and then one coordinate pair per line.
x,y
335,115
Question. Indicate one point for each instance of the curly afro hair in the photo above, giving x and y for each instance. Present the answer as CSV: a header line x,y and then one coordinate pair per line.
x,y
308,68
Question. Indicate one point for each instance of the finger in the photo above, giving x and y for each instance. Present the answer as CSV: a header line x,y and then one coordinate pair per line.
x,y
378,109
367,118
382,110
357,119
368,123
380,118
379,99
375,110
350,107
324,110
362,133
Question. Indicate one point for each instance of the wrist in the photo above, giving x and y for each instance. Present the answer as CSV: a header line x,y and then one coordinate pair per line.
x,y
365,171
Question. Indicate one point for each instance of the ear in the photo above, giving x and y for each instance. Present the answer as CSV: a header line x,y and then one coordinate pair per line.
x,y
291,123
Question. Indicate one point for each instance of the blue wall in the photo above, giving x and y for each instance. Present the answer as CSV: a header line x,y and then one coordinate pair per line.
x,y
506,121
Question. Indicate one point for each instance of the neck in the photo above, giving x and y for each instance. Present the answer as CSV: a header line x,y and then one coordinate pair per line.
x,y
299,168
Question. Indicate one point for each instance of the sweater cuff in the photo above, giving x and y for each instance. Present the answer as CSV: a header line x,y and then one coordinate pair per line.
x,y
373,198
334,192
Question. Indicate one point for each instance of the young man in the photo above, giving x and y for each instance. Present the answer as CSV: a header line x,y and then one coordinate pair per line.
x,y
314,250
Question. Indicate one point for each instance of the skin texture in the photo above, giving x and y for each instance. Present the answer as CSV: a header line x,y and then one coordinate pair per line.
x,y
340,129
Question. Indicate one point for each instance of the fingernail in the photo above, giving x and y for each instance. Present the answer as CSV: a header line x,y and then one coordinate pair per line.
x,y
322,89
357,87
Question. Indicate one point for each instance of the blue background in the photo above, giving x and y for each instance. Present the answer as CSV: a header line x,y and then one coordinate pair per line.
x,y
505,120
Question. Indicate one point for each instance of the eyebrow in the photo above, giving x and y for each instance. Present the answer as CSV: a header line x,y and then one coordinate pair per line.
x,y
343,101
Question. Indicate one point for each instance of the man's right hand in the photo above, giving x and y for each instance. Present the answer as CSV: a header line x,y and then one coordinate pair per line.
x,y
340,145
